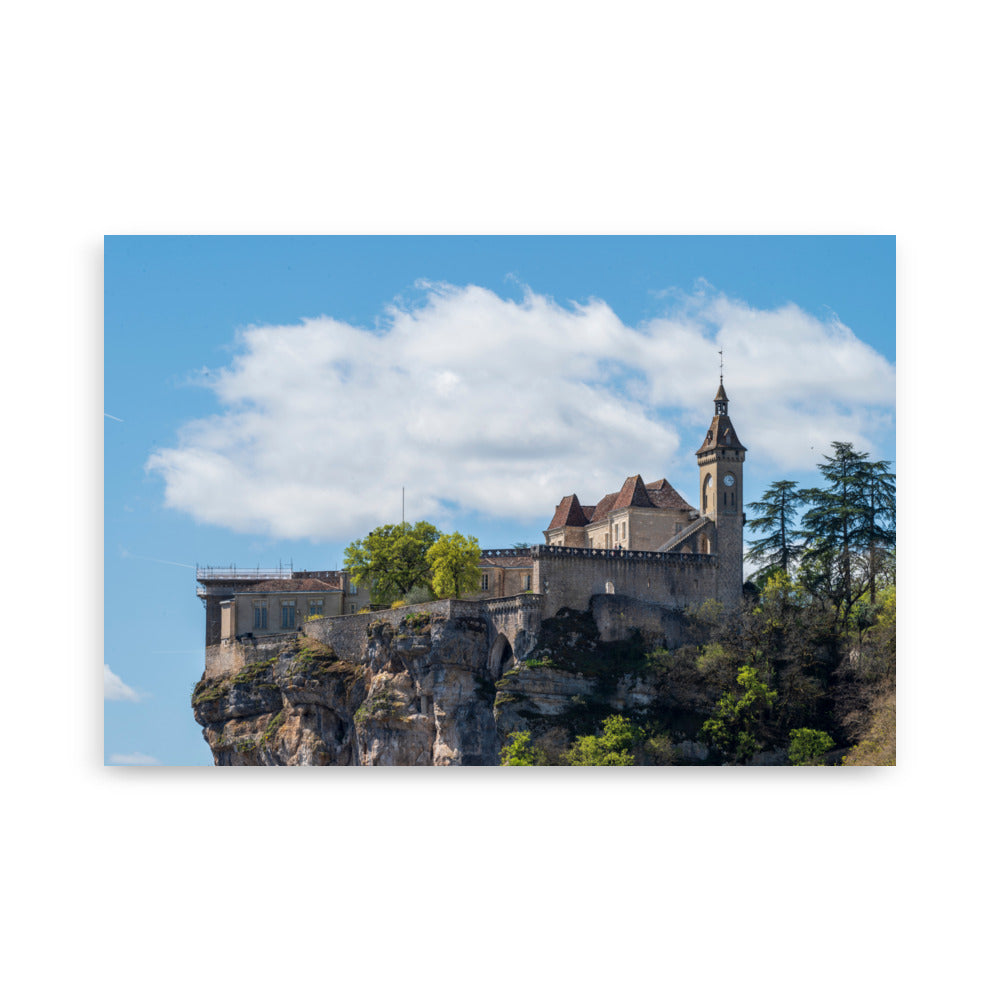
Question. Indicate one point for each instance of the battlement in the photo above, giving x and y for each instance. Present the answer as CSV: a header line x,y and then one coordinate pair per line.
x,y
508,553
569,552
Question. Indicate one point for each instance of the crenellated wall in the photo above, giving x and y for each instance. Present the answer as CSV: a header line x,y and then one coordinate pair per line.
x,y
568,577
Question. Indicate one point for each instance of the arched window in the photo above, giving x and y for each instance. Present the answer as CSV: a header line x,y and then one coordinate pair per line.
x,y
609,587
706,486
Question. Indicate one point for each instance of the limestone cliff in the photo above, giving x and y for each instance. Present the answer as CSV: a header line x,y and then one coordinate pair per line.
x,y
432,689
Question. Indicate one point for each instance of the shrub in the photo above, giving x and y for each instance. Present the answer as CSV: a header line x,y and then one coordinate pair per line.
x,y
612,748
518,751
807,745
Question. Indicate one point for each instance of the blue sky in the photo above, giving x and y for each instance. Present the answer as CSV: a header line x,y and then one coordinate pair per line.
x,y
267,398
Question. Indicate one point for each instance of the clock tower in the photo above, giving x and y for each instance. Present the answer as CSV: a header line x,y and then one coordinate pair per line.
x,y
720,476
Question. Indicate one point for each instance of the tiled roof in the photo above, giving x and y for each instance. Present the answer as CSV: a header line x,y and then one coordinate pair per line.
x,y
632,494
605,507
284,586
568,513
666,496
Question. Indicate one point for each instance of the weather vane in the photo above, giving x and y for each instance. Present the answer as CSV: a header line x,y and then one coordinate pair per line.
x,y
720,367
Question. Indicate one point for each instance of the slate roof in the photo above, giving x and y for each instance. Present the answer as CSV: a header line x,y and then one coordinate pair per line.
x,y
721,434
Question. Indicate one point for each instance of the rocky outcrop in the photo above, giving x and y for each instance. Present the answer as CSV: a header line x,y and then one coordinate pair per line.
x,y
437,688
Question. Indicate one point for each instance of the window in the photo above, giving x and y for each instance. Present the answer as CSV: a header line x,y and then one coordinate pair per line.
x,y
316,607
486,581
288,614
260,614
354,587
526,581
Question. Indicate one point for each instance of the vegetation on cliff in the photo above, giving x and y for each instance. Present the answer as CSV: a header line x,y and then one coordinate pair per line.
x,y
803,672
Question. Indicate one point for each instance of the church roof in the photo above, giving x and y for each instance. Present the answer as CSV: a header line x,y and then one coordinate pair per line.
x,y
721,434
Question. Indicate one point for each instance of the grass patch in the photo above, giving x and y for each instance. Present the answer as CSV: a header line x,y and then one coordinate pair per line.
x,y
272,727
417,621
381,707
209,689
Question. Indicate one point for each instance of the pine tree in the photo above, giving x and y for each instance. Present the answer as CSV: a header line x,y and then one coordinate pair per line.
x,y
777,509
878,504
834,518
849,522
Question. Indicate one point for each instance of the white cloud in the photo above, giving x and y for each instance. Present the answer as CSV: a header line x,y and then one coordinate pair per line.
x,y
115,689
132,758
481,404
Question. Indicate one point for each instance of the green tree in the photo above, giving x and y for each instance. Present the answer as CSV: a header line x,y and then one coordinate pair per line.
x,y
848,525
807,745
738,723
877,532
612,748
454,564
392,559
518,751
780,542
833,523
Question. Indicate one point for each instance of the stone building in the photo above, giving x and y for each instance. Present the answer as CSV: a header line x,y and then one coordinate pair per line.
x,y
263,602
643,542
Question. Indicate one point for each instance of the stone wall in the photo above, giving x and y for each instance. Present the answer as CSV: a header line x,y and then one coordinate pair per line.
x,y
232,655
569,578
515,617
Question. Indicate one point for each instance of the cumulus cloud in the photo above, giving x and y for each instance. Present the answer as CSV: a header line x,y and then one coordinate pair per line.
x,y
115,689
480,404
132,758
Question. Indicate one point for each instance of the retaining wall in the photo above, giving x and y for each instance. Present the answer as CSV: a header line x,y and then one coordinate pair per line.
x,y
570,577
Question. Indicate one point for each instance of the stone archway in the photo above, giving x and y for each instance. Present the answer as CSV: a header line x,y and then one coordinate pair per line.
x,y
501,655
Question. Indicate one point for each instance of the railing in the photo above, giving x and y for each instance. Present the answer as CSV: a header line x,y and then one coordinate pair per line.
x,y
232,573
685,534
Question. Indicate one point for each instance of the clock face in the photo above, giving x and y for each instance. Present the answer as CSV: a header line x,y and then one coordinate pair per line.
x,y
729,479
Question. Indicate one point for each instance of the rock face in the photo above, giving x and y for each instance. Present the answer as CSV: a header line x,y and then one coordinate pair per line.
x,y
435,689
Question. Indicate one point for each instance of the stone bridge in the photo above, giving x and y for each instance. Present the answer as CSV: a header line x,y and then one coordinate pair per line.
x,y
513,624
